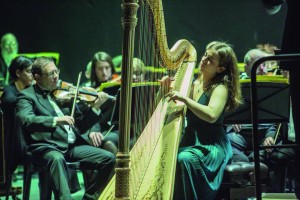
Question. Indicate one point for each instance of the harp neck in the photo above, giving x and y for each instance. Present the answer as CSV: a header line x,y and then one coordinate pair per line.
x,y
183,49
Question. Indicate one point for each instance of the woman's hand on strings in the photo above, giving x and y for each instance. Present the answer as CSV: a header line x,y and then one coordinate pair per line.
x,y
96,138
165,83
65,120
102,98
174,95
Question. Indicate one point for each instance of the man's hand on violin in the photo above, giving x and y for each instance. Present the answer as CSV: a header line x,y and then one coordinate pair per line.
x,y
65,120
96,138
102,98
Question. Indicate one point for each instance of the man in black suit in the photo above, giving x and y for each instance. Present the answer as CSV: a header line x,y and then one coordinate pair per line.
x,y
54,138
291,44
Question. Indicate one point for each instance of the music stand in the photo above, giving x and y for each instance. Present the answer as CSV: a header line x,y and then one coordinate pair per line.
x,y
273,102
254,110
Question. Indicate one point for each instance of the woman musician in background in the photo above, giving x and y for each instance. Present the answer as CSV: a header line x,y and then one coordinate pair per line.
x,y
21,78
102,69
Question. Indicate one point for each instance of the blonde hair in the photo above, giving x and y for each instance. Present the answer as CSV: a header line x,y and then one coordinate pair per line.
x,y
139,64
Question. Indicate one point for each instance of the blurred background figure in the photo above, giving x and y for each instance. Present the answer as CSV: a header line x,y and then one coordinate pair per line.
x,y
266,68
9,49
15,146
87,75
117,61
102,69
139,71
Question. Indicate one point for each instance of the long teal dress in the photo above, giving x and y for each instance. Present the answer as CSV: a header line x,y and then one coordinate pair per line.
x,y
202,157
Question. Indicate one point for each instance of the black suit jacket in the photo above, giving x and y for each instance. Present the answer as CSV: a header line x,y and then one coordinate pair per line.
x,y
37,115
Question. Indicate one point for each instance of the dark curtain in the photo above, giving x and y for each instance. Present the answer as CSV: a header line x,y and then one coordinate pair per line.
x,y
77,29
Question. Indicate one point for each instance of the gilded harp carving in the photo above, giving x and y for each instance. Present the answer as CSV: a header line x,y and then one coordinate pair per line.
x,y
151,171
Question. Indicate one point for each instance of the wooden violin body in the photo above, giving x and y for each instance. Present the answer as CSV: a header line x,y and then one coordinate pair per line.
x,y
66,93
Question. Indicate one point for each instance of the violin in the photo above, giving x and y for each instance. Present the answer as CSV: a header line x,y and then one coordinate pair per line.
x,y
115,78
65,92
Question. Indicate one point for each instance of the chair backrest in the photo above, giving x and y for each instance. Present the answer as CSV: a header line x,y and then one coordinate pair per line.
x,y
2,157
53,55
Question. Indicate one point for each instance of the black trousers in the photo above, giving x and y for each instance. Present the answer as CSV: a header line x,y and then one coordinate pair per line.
x,y
100,161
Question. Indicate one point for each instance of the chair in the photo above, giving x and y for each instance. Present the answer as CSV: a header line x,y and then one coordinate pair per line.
x,y
239,182
272,91
53,55
5,177
44,179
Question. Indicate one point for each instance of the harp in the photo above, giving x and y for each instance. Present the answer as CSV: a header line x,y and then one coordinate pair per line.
x,y
147,171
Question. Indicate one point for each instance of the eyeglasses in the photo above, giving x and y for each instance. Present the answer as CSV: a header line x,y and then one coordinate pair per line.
x,y
51,74
10,44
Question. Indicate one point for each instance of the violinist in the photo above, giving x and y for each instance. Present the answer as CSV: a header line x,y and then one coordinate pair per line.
x,y
102,69
55,138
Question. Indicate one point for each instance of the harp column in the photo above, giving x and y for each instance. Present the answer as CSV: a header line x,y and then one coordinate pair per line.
x,y
122,169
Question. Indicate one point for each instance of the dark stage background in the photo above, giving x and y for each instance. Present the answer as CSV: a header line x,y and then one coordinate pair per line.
x,y
77,29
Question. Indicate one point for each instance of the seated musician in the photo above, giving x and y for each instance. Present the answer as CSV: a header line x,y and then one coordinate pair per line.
x,y
266,68
54,138
240,135
204,149
15,146
138,75
279,159
102,69
21,78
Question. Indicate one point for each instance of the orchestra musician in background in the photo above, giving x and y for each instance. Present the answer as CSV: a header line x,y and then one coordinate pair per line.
x,y
102,69
15,146
138,75
9,49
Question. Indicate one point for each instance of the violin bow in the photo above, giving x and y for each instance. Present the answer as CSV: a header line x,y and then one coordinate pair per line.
x,y
76,94
275,140
277,133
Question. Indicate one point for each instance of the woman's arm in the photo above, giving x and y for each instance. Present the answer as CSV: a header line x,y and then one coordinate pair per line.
x,y
212,111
